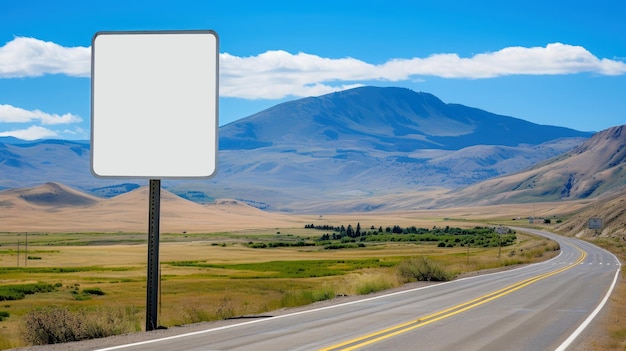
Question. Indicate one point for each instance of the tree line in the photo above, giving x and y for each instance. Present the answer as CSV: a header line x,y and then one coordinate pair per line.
x,y
445,236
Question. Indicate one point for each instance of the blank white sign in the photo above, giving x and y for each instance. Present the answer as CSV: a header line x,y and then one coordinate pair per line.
x,y
154,99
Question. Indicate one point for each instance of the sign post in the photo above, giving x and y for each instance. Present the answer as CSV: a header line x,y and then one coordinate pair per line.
x,y
154,103
152,286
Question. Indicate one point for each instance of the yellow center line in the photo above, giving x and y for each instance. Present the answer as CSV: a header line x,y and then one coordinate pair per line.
x,y
448,312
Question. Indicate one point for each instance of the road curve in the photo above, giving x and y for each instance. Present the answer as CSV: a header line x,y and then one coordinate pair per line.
x,y
542,306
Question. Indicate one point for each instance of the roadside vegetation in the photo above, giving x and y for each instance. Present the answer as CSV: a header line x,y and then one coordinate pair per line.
x,y
85,285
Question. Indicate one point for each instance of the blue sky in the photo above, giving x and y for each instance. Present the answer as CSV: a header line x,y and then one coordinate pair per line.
x,y
548,62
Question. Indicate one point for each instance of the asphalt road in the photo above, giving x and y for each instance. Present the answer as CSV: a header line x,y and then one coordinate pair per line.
x,y
538,307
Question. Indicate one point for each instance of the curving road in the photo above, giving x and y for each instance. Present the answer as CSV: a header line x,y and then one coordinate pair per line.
x,y
538,307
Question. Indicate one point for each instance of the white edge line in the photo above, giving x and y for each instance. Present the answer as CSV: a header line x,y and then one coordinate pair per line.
x,y
139,343
593,314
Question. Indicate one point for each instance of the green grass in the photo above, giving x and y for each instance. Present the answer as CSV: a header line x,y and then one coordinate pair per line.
x,y
291,269
18,292
305,297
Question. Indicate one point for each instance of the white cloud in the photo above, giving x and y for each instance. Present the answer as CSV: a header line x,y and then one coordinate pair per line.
x,y
553,59
31,133
12,114
30,57
75,133
276,74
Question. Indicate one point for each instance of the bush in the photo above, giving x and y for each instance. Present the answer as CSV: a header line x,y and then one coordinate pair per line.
x,y
18,292
372,286
422,269
305,297
93,291
54,325
3,315
51,326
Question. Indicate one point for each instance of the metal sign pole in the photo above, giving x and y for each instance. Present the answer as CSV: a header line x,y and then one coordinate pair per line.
x,y
152,285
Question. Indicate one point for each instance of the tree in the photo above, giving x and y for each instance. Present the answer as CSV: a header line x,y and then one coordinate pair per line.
x,y
350,231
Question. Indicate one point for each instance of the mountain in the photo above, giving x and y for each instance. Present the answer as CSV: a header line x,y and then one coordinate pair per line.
x,y
30,163
368,142
596,167
342,151
385,119
11,140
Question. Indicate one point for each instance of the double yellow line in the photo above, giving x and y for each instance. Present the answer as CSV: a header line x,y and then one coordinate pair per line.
x,y
431,318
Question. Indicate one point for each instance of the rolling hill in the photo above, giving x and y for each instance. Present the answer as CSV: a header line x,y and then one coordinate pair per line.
x,y
54,207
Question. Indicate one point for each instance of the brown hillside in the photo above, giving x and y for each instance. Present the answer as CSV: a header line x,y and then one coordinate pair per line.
x,y
596,167
56,208
612,211
48,195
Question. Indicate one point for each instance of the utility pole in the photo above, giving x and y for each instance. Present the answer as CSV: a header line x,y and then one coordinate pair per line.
x,y
26,251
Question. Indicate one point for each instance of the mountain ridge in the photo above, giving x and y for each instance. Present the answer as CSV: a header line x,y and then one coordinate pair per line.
x,y
388,119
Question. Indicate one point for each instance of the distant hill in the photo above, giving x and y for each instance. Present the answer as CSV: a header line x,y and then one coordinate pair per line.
x,y
31,163
11,140
596,167
335,152
55,207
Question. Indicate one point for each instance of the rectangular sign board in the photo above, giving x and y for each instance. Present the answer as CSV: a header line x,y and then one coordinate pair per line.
x,y
154,104
595,223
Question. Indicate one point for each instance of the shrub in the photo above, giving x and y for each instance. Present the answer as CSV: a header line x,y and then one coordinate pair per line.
x,y
54,325
422,269
373,285
196,315
18,292
51,326
93,291
305,297
3,315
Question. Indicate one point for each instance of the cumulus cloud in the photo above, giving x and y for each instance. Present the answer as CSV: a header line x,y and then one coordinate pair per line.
x,y
31,133
30,57
276,74
12,114
553,59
